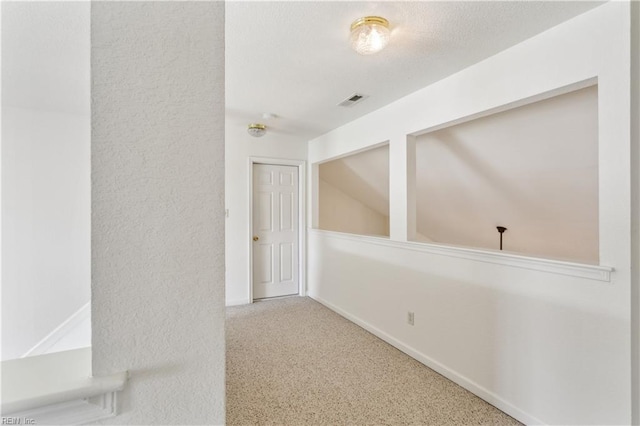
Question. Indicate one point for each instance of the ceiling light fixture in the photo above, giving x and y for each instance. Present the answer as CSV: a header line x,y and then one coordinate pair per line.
x,y
257,130
369,34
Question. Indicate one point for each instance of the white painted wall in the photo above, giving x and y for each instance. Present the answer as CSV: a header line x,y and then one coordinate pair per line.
x,y
45,170
532,169
158,207
239,148
342,213
543,346
46,223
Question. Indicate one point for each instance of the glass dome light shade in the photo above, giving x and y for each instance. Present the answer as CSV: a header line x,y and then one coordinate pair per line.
x,y
257,130
369,34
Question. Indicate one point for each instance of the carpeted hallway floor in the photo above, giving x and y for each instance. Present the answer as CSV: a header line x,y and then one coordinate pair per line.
x,y
294,362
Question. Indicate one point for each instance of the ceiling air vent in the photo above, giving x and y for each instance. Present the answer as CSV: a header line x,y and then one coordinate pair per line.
x,y
353,99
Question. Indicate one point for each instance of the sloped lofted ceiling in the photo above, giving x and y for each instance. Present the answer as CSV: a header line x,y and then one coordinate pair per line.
x,y
293,59
532,169
363,176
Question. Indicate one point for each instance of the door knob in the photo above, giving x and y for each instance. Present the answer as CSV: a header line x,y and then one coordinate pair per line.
x,y
255,238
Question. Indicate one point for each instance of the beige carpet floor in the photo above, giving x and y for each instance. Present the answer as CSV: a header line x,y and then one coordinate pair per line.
x,y
294,362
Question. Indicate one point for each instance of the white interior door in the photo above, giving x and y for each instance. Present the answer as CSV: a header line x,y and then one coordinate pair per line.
x,y
275,231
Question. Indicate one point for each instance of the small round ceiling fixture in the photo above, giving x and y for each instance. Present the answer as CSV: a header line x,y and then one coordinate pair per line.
x,y
257,130
369,34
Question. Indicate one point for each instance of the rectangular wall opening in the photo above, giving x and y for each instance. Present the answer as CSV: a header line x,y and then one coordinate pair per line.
x,y
531,169
354,193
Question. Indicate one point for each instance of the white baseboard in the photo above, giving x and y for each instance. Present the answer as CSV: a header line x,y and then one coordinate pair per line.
x,y
237,302
450,374
59,332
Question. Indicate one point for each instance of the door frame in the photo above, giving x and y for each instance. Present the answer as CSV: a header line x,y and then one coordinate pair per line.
x,y
302,202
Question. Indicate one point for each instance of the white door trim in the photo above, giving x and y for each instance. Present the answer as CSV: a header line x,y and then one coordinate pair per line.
x,y
302,202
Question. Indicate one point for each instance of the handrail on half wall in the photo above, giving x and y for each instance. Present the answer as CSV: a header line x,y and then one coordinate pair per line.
x,y
37,381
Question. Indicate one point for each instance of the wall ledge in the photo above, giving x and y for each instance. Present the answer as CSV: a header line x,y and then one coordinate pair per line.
x,y
58,388
558,267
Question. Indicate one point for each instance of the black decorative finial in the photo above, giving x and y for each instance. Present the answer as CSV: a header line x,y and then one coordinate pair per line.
x,y
501,230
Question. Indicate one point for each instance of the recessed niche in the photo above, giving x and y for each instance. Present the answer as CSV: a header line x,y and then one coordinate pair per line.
x,y
532,169
354,193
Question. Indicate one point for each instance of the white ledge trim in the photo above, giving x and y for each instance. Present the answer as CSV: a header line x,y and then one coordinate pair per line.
x,y
38,381
88,388
593,272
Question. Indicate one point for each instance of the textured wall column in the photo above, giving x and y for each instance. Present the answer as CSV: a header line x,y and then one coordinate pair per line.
x,y
157,207
635,211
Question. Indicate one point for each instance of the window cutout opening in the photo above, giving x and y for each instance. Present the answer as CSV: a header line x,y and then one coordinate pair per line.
x,y
532,170
354,193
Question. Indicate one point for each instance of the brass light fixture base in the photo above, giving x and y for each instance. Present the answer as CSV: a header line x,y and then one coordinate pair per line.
x,y
368,20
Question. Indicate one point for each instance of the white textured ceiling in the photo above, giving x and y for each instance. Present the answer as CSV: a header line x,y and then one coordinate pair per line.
x,y
289,58
293,59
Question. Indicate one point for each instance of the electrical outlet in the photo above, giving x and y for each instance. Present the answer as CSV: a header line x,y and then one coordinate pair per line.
x,y
410,318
